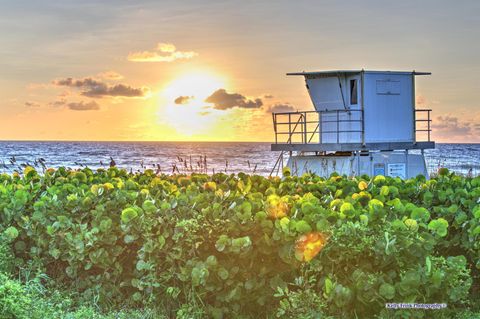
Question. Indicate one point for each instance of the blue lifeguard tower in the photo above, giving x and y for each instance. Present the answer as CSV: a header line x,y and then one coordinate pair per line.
x,y
364,122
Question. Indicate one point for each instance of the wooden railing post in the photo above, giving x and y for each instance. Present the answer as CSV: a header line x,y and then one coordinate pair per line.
x,y
338,127
305,127
429,125
319,127
290,127
274,117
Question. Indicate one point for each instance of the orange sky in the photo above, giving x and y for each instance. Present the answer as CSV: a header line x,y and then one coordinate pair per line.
x,y
202,71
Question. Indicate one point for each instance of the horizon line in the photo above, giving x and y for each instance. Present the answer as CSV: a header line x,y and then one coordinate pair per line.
x,y
170,141
134,141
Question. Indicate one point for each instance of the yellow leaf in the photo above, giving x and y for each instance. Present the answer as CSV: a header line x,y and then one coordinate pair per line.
x,y
309,245
362,185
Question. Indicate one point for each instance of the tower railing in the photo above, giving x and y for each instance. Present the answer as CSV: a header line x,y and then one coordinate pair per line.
x,y
312,127
335,126
423,124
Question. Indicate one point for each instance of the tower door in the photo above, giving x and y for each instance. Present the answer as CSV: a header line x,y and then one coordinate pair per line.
x,y
352,126
354,92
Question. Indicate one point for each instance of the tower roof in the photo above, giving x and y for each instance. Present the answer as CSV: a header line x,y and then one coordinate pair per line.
x,y
347,72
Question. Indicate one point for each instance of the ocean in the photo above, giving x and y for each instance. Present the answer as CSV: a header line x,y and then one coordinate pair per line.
x,y
187,157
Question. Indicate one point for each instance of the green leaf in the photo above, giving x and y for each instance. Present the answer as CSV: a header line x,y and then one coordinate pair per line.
x,y
476,230
398,224
284,222
128,239
141,265
21,198
222,242
453,209
128,214
223,273
161,241
79,245
379,179
384,190
11,233
323,224
55,253
437,278
105,224
364,219
439,226
375,204
328,286
260,216
387,291
50,230
476,212
199,276
211,261
20,246
428,197
242,243
302,227
149,207
411,224
428,263
137,296
420,214
347,209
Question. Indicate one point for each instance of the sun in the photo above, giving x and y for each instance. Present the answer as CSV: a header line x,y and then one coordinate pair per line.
x,y
184,107
198,85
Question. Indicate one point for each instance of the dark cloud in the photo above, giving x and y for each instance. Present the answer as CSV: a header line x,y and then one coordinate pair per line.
x,y
268,96
83,106
93,88
450,126
58,103
281,107
222,100
32,104
183,99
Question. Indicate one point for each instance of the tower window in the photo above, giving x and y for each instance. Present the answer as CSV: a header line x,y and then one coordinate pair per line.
x,y
353,92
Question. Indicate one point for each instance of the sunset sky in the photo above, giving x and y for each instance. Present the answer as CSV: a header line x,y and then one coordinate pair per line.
x,y
215,70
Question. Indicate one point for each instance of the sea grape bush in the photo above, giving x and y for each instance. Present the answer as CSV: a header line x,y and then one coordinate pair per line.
x,y
247,245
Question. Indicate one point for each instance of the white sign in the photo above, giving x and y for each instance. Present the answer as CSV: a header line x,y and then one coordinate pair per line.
x,y
397,170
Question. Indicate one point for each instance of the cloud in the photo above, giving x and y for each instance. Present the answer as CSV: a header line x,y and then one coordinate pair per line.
x,y
166,47
110,75
222,100
32,104
164,52
450,127
94,88
61,102
280,107
183,99
421,100
76,106
83,106
268,96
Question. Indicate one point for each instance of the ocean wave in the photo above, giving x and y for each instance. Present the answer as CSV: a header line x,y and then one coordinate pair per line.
x,y
233,156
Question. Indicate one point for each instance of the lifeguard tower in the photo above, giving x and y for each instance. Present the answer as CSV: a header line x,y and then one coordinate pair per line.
x,y
364,122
